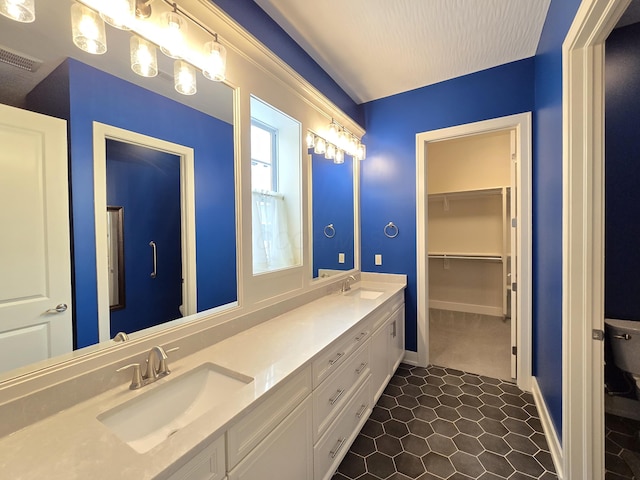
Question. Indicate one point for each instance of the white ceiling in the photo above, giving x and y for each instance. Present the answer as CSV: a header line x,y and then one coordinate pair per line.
x,y
377,48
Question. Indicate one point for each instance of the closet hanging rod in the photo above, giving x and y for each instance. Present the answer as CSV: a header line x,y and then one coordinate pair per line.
x,y
494,258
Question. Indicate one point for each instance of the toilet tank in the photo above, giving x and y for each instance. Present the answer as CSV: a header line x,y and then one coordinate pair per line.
x,y
624,338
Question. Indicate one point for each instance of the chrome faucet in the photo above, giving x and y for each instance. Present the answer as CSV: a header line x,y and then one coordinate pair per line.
x,y
152,372
346,285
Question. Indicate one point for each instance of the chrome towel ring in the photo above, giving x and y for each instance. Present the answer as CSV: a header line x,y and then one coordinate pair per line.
x,y
391,230
329,231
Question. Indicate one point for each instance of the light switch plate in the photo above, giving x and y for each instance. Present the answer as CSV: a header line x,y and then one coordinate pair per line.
x,y
341,258
378,259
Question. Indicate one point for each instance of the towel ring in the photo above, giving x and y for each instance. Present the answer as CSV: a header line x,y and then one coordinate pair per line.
x,y
391,230
329,231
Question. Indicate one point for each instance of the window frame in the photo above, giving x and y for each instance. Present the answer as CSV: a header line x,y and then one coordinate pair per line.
x,y
274,153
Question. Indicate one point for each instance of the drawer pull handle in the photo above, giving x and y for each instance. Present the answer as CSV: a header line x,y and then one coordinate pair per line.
x,y
360,369
362,410
361,336
337,397
338,357
337,448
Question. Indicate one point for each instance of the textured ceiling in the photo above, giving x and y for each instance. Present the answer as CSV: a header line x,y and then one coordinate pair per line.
x,y
377,48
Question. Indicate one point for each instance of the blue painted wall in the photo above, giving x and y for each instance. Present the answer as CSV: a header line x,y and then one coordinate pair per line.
x,y
622,174
146,184
388,180
248,14
332,189
96,96
547,207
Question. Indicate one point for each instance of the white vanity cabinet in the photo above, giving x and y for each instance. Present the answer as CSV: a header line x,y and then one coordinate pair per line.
x,y
209,464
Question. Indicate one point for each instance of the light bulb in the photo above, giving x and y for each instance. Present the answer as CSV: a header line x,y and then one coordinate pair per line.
x,y
352,145
339,157
119,13
215,62
174,29
332,133
361,152
144,60
310,140
184,78
321,146
18,10
331,152
88,30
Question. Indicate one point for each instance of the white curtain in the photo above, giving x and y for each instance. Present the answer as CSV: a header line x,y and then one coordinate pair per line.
x,y
271,244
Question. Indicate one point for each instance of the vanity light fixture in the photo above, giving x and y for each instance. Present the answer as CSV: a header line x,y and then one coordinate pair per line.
x,y
311,139
339,158
144,59
119,13
361,151
184,77
88,29
216,60
332,132
343,142
174,30
330,154
320,146
18,10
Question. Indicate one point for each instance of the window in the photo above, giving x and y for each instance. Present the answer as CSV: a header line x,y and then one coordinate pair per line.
x,y
275,184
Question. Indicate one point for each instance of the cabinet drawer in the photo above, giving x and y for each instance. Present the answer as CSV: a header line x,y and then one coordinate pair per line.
x,y
332,395
209,464
382,313
337,353
255,426
334,444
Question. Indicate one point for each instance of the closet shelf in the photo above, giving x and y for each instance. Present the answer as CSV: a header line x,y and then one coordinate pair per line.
x,y
482,192
468,256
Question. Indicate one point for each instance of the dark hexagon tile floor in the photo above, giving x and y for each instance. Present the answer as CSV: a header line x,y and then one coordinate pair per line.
x,y
442,424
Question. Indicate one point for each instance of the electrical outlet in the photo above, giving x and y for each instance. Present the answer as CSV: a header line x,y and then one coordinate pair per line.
x,y
378,259
341,258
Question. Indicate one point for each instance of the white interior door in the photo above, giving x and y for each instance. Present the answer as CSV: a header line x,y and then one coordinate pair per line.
x,y
35,285
513,265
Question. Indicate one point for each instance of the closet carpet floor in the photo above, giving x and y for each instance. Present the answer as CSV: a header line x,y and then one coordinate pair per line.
x,y
471,342
443,424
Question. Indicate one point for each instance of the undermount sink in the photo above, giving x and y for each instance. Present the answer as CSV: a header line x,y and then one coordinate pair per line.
x,y
364,293
154,416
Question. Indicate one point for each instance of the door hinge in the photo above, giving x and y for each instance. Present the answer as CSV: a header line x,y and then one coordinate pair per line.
x,y
514,222
597,334
514,287
514,350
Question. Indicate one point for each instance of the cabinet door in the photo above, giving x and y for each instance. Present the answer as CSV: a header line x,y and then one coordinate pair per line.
x,y
380,373
209,464
396,350
285,454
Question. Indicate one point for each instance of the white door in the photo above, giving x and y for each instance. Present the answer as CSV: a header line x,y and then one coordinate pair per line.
x,y
513,266
35,264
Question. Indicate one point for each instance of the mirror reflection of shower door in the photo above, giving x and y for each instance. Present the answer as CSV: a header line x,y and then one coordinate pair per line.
x,y
146,182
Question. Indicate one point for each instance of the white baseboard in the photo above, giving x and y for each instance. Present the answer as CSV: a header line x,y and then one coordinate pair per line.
x,y
410,358
555,447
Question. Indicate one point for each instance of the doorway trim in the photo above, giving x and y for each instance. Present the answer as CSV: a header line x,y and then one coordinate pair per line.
x,y
583,237
522,124
102,133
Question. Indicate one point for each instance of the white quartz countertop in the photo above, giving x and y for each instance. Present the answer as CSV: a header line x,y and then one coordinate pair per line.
x,y
74,444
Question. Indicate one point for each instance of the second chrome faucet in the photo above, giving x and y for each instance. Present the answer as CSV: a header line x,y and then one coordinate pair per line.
x,y
154,369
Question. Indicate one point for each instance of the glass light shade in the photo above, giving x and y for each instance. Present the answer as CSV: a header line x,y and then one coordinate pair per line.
x,y
88,30
18,10
119,13
184,76
343,140
361,152
144,59
352,146
330,154
311,140
320,147
332,133
339,157
175,28
216,61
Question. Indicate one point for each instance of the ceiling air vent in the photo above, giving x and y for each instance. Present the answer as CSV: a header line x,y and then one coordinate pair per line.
x,y
19,60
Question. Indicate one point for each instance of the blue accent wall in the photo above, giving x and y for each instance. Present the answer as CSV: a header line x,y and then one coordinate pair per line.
x,y
255,20
622,174
547,207
96,96
146,184
332,190
388,180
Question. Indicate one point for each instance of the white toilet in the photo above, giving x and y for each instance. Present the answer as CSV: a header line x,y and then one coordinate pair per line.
x,y
624,337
